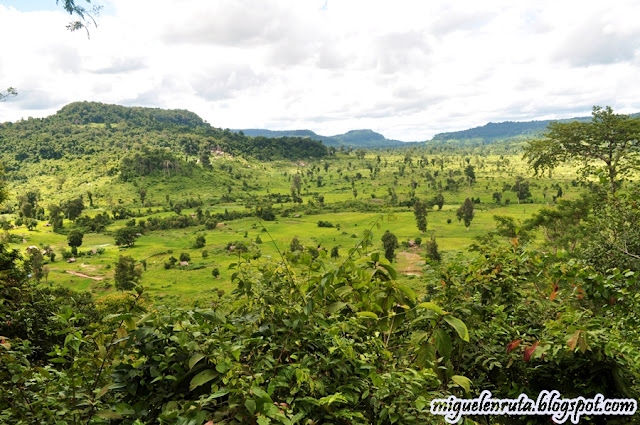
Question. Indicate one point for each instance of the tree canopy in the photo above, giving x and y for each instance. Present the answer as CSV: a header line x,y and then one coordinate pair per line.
x,y
607,147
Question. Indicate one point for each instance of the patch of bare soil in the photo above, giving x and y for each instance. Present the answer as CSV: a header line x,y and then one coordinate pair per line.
x,y
409,263
84,275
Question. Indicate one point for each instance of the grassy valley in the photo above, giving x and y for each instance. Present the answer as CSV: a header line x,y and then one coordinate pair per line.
x,y
195,274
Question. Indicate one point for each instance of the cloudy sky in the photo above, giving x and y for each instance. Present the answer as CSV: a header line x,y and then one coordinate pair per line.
x,y
407,69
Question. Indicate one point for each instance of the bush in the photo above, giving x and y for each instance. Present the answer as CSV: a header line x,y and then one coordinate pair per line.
x,y
185,256
199,242
324,224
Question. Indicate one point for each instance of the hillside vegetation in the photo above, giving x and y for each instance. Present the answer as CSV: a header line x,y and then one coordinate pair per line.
x,y
154,269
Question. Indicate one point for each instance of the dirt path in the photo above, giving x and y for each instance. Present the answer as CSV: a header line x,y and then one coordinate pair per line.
x,y
84,275
410,263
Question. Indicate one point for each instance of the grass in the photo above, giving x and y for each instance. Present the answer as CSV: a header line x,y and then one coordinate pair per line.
x,y
250,181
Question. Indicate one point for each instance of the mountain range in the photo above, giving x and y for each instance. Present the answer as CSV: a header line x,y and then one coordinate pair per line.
x,y
353,138
486,134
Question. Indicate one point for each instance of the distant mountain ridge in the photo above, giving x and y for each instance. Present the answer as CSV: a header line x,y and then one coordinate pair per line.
x,y
353,138
492,132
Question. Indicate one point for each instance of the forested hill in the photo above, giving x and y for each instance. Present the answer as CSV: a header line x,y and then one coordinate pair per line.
x,y
508,130
354,138
101,113
138,137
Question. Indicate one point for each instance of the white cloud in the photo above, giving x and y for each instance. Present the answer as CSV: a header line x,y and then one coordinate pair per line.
x,y
407,69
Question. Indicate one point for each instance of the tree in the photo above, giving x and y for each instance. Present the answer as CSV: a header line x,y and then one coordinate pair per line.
x,y
608,146
204,159
470,174
126,275
334,252
433,253
85,17
74,239
200,242
497,196
564,227
8,93
73,208
295,245
439,200
143,195
126,236
420,211
390,243
296,185
521,189
465,212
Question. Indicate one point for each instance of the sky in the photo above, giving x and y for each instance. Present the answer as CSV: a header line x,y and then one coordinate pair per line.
x,y
406,69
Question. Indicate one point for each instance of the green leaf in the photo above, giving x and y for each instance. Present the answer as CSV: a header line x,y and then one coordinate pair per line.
x,y
202,378
459,326
410,293
462,381
366,315
250,405
195,359
260,393
336,307
443,343
431,306
223,367
263,420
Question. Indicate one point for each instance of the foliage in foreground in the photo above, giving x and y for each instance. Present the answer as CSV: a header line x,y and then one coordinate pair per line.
x,y
341,344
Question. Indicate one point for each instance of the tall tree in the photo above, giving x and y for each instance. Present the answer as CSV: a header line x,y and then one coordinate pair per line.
x,y
465,212
75,240
470,174
521,189
420,211
390,243
608,146
126,274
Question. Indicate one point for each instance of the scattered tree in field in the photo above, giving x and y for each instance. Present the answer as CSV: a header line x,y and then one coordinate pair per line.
x,y
433,253
334,252
126,275
420,212
390,243
470,173
465,212
143,195
295,245
608,146
521,189
74,240
36,261
73,208
215,272
126,236
497,196
296,186
31,223
439,200
55,217
199,242
184,256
